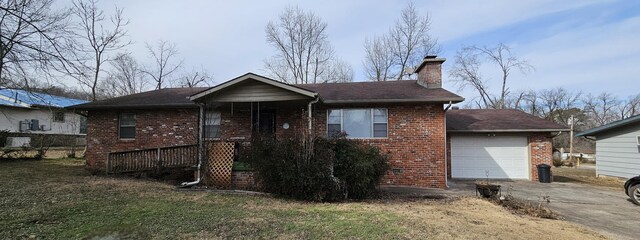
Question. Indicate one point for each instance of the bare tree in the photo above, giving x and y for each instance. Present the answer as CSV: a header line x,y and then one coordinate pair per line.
x,y
100,36
125,77
410,40
196,78
379,59
555,102
629,107
466,72
600,108
340,71
164,65
304,54
34,39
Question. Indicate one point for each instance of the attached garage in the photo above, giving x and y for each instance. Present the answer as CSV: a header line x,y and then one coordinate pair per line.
x,y
495,156
505,144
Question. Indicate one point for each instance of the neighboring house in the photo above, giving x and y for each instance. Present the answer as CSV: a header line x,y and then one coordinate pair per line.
x,y
498,143
24,113
405,119
617,147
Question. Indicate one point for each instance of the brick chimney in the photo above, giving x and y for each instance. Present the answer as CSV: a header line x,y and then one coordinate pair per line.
x,y
430,72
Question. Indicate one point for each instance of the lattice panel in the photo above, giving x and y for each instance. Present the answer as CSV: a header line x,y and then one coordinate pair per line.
x,y
220,161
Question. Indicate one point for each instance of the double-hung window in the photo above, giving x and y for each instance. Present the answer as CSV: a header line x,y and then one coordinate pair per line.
x,y
127,126
212,121
358,122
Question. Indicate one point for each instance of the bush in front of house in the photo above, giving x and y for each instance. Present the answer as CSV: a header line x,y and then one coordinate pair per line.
x,y
316,169
359,166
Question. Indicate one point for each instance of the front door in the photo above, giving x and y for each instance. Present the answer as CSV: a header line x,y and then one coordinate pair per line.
x,y
266,122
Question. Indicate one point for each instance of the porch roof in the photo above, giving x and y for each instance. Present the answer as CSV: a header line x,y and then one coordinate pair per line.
x,y
252,87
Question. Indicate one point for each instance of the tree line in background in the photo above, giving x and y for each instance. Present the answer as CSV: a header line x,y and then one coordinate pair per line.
x,y
556,104
41,44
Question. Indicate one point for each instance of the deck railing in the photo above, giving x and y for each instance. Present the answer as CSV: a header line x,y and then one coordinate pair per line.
x,y
152,159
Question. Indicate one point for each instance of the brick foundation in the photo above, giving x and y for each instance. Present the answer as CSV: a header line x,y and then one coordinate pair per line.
x,y
243,180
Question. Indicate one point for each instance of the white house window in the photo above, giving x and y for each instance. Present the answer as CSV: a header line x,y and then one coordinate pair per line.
x,y
58,116
358,122
127,126
212,124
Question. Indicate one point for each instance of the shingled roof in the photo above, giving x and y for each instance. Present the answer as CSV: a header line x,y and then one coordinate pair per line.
x,y
163,98
330,93
498,120
379,92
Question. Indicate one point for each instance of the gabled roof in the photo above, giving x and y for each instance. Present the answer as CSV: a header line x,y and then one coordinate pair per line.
x,y
163,98
611,126
405,91
402,91
28,99
255,77
498,120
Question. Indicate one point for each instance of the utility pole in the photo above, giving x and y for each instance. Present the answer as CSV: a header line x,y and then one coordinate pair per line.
x,y
571,122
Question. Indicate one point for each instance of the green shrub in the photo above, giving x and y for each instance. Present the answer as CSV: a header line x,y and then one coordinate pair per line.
x,y
359,166
316,169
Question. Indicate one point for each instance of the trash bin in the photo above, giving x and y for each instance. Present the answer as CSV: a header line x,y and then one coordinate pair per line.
x,y
544,173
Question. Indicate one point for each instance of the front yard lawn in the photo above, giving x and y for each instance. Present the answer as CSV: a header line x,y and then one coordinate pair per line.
x,y
57,199
586,176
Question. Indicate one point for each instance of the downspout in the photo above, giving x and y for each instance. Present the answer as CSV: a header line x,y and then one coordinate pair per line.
x,y
309,109
200,149
446,169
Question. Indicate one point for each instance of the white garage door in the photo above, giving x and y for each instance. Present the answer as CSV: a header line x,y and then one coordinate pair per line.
x,y
501,156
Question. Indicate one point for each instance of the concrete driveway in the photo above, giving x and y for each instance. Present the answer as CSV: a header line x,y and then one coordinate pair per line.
x,y
607,211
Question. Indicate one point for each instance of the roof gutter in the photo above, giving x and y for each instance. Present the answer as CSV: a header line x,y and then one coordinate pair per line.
x,y
508,130
401,100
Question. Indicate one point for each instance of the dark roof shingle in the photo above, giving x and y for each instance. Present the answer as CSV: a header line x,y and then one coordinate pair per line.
x,y
498,120
389,91
163,98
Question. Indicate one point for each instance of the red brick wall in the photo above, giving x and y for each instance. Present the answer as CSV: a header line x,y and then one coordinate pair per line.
x,y
242,180
540,151
154,128
415,143
415,139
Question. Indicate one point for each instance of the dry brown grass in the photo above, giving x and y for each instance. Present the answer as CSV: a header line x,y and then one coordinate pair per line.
x,y
57,199
473,218
586,176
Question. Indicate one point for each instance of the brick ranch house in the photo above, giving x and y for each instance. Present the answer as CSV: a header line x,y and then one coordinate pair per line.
x,y
410,120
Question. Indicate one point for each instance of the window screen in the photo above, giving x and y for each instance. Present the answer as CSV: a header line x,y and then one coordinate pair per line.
x,y
212,124
127,125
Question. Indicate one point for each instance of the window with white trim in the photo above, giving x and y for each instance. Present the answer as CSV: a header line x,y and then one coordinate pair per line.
x,y
358,122
212,121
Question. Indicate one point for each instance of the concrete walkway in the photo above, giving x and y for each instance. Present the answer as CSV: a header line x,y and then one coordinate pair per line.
x,y
607,211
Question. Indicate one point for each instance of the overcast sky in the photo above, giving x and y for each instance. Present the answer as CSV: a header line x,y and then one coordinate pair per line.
x,y
592,46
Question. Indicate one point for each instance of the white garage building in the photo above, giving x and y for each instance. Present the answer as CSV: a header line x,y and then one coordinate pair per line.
x,y
498,144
